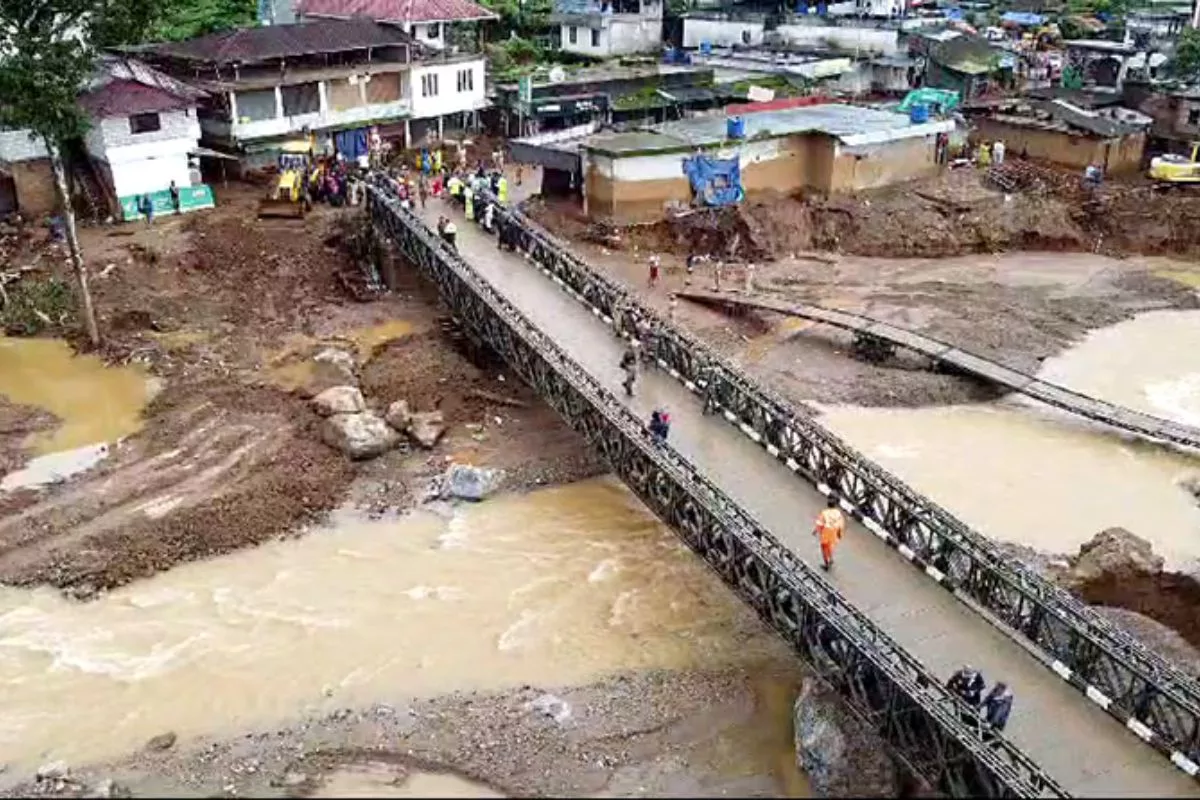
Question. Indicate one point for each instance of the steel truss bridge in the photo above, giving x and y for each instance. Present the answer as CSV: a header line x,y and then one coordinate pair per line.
x,y
886,686
877,341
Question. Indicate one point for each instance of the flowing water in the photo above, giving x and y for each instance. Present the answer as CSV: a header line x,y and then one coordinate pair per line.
x,y
94,404
383,780
561,586
1023,473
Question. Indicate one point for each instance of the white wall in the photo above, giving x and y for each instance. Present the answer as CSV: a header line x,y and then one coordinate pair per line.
x,y
17,146
669,166
720,33
620,35
420,32
146,162
868,40
448,99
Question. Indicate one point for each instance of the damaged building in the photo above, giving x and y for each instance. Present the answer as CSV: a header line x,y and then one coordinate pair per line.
x,y
823,148
1062,132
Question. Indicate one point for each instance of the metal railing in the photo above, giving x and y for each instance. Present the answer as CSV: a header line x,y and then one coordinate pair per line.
x,y
927,726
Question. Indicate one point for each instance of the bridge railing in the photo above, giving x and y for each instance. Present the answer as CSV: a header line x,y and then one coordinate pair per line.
x,y
925,724
1152,697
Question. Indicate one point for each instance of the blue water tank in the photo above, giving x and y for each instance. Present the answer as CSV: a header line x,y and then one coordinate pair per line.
x,y
705,47
919,113
735,128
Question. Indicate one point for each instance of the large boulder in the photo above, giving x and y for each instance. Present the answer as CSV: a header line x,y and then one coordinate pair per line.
x,y
470,483
339,400
359,436
820,746
840,755
426,428
399,416
340,360
1114,552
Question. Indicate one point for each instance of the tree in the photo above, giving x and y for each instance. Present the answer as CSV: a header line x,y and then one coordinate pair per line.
x,y
47,56
1186,62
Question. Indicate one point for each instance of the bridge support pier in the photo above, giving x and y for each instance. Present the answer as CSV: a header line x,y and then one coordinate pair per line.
x,y
872,348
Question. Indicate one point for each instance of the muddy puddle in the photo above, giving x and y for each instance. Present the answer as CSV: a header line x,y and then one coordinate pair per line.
x,y
94,403
558,587
1027,474
386,780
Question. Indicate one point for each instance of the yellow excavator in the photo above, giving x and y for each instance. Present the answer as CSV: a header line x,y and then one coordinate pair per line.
x,y
1173,169
286,196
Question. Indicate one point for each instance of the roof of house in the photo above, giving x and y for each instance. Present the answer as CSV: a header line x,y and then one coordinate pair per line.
x,y
396,10
122,98
851,125
1059,115
264,43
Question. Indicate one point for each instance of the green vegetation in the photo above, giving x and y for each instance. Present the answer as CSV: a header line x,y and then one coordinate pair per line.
x,y
646,97
184,19
524,18
783,86
1187,54
29,307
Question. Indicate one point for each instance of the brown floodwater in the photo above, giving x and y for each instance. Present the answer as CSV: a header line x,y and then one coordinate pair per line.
x,y
562,586
1024,473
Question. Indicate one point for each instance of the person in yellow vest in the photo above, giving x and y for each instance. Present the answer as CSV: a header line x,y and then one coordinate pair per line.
x,y
469,202
828,529
502,189
455,185
437,160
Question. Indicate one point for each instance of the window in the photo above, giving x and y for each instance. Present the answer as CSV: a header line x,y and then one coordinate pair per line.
x,y
144,123
434,31
429,85
1194,117
301,98
595,37
256,105
572,34
466,80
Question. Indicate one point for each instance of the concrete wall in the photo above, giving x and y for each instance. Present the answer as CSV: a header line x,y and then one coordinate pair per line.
x,y
449,98
1117,155
866,40
18,146
721,33
34,183
620,35
636,188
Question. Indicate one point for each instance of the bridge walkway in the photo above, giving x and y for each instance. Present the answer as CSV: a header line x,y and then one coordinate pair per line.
x,y
942,353
1083,748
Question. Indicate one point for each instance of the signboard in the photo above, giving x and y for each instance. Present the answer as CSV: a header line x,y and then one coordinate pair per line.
x,y
190,199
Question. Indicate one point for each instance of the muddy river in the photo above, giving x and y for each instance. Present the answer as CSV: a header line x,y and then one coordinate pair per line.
x,y
558,587
1025,473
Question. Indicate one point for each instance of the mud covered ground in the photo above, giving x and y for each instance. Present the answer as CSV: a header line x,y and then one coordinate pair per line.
x,y
228,311
958,213
651,734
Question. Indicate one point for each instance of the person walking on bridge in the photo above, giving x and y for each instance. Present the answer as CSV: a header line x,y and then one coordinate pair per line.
x,y
998,705
968,684
828,529
629,363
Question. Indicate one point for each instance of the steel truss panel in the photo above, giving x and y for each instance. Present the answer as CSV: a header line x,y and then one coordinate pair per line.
x,y
925,724
1152,697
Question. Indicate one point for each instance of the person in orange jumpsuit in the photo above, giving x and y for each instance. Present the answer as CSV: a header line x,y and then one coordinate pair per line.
x,y
828,529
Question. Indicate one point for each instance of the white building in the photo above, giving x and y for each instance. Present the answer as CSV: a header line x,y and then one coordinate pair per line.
x,y
606,28
143,136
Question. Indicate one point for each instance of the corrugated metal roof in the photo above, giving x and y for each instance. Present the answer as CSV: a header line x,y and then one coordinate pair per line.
x,y
397,10
120,98
281,41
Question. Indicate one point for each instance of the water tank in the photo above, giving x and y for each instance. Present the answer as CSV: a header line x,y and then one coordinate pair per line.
x,y
919,113
705,47
735,128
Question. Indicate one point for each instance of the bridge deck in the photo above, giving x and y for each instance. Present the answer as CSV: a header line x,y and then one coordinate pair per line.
x,y
1098,410
1078,744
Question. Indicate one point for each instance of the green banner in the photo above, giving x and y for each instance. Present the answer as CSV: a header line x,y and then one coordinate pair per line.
x,y
190,199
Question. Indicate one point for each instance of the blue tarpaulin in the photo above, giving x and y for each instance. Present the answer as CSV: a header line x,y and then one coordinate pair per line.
x,y
1022,18
715,181
352,143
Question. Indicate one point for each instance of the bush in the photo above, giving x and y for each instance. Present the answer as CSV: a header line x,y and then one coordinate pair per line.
x,y
33,306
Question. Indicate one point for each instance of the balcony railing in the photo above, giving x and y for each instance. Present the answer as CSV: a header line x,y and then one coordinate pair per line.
x,y
282,126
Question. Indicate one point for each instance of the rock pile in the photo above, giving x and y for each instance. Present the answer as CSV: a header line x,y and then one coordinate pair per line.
x,y
1114,552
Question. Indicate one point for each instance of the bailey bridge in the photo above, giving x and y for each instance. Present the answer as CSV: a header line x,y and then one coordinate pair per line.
x,y
877,341
1093,705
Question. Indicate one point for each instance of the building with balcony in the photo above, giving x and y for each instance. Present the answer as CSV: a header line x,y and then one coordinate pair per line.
x,y
332,78
431,23
606,28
